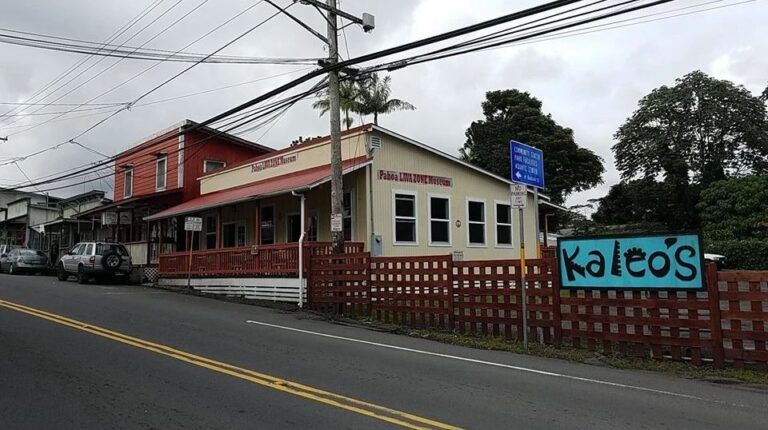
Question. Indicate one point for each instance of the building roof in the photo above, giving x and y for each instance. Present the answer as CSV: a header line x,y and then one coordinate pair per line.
x,y
295,181
89,195
131,202
151,140
27,194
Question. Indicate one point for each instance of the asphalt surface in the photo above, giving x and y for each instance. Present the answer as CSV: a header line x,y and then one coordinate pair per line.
x,y
55,376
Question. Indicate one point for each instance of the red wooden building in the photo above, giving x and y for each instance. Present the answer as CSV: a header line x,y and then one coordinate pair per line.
x,y
159,172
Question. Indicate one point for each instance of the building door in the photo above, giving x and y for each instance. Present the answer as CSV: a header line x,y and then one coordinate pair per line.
x,y
293,227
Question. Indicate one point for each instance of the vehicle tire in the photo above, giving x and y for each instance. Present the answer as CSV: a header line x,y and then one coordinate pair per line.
x,y
111,261
82,277
61,274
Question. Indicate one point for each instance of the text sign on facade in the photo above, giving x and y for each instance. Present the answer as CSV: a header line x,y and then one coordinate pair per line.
x,y
414,178
640,262
527,164
109,218
519,196
274,162
193,223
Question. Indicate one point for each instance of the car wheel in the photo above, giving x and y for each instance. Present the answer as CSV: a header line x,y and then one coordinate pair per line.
x,y
82,277
111,261
61,274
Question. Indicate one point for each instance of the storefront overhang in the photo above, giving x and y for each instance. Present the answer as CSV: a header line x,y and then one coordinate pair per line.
x,y
303,180
160,198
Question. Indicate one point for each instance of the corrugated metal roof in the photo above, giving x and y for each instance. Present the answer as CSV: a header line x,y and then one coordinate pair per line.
x,y
295,181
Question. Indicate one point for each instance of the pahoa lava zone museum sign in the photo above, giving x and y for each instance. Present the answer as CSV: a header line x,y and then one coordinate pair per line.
x,y
414,178
274,162
637,262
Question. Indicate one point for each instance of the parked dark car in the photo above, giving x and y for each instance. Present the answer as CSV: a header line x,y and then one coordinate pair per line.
x,y
24,260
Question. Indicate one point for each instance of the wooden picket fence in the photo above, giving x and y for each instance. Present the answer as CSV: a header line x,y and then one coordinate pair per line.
x,y
725,323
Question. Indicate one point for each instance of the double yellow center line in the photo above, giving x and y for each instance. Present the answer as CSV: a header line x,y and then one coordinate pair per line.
x,y
392,416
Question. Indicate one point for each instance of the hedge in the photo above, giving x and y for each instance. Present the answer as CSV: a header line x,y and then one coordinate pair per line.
x,y
748,254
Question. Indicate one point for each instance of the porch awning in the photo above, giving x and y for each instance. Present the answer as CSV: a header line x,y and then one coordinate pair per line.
x,y
296,181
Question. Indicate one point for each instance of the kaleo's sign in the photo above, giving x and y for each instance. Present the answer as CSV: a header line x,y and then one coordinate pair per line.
x,y
640,262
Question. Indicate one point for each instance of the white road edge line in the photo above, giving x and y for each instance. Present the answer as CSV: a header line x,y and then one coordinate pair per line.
x,y
494,364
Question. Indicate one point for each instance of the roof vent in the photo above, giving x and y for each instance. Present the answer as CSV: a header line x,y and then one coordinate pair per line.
x,y
375,142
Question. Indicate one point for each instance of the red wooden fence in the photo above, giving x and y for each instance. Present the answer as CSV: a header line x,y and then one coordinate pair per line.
x,y
725,322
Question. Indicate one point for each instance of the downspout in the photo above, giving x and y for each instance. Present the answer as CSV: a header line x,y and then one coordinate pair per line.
x,y
301,246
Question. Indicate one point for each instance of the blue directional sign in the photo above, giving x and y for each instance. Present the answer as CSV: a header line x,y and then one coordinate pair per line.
x,y
527,164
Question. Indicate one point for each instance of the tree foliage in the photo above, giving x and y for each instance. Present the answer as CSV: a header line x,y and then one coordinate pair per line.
x,y
370,96
735,209
701,129
512,114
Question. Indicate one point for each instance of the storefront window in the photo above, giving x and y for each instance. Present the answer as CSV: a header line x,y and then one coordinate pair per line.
x,y
161,173
233,234
210,232
503,225
439,221
347,210
476,222
267,233
405,218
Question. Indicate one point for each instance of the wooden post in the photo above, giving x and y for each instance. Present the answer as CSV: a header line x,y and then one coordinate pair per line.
x,y
189,263
713,293
557,324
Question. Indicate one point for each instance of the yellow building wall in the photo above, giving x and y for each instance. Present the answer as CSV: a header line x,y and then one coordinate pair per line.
x,y
352,146
398,156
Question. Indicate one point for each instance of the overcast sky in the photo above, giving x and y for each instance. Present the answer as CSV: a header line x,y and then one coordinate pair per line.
x,y
590,83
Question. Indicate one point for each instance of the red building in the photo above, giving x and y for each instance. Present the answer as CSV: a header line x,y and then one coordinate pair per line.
x,y
159,172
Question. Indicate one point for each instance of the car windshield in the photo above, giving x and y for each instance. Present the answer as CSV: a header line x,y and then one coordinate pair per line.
x,y
104,248
31,253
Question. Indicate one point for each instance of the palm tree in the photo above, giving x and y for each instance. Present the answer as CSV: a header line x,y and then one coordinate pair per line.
x,y
374,98
349,101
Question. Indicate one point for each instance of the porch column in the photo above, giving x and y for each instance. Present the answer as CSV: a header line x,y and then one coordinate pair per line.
x,y
219,229
257,231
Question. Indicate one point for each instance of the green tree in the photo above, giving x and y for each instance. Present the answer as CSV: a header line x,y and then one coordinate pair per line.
x,y
374,98
700,130
349,101
512,114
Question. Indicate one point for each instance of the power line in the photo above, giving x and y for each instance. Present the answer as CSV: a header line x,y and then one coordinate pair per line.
x,y
380,54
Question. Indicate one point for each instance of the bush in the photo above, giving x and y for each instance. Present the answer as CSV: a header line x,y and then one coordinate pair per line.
x,y
748,254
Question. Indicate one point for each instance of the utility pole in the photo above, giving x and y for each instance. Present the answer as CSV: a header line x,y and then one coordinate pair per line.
x,y
337,184
332,40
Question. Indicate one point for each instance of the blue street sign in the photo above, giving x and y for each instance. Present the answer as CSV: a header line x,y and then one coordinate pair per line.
x,y
527,164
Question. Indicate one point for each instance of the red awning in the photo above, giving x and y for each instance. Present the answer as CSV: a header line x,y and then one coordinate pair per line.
x,y
295,181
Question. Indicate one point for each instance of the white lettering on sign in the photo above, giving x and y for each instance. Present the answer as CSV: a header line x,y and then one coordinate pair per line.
x,y
337,222
192,223
274,162
519,195
415,178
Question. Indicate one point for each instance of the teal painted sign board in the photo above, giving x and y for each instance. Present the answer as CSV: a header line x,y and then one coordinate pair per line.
x,y
632,262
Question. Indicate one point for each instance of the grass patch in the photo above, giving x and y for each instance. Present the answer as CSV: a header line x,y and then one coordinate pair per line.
x,y
726,376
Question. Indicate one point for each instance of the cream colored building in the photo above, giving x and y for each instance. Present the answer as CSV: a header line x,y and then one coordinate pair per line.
x,y
402,198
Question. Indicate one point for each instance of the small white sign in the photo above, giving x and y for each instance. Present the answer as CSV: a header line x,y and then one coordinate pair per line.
x,y
192,223
125,218
337,222
518,196
109,218
457,255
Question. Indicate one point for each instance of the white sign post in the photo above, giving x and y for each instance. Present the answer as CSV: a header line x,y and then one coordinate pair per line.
x,y
192,224
337,222
519,196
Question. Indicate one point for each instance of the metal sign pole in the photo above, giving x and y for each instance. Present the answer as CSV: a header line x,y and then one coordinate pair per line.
x,y
189,266
536,218
523,292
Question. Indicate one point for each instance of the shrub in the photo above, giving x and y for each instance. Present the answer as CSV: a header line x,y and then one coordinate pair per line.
x,y
748,254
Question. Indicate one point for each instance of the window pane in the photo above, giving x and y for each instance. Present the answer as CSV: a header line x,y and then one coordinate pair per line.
x,y
504,234
439,231
210,241
348,228
212,165
477,211
477,233
229,235
267,225
210,224
161,173
405,205
405,231
439,208
503,214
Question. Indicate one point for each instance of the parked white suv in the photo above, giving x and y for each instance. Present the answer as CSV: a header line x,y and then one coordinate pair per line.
x,y
95,260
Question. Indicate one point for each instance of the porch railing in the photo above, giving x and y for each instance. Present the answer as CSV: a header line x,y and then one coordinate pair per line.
x,y
279,260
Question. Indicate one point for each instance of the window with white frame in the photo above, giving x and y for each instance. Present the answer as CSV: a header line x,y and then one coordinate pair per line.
x,y
211,165
405,218
128,182
267,227
161,173
476,222
439,220
210,231
233,234
503,224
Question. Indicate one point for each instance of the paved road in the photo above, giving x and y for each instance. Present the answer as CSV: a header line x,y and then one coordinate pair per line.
x,y
234,366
